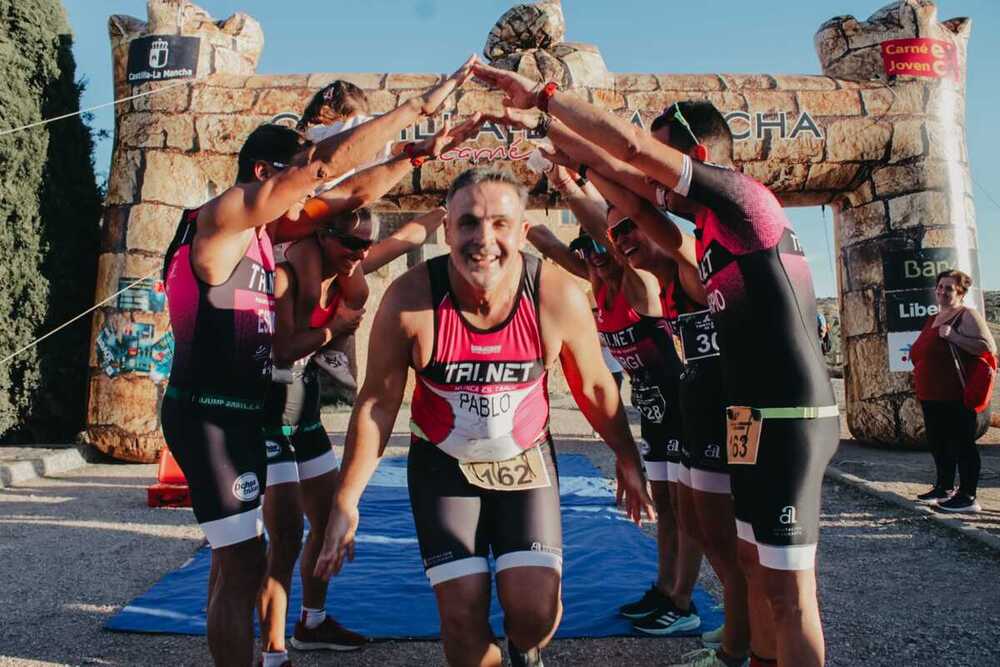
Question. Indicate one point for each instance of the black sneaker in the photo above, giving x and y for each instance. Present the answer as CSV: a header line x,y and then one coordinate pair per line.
x,y
519,658
669,621
651,601
934,496
960,503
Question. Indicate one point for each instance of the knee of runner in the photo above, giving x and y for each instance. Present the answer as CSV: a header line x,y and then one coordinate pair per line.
x,y
243,564
461,622
285,541
714,540
783,592
532,622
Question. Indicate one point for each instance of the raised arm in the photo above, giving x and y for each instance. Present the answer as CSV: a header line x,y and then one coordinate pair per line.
x,y
660,228
408,237
586,203
346,150
371,184
374,414
619,137
552,248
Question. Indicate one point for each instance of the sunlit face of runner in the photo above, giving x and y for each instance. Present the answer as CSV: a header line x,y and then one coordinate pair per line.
x,y
344,250
601,265
631,242
486,228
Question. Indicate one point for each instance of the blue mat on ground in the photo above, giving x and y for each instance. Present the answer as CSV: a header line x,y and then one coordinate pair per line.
x,y
385,594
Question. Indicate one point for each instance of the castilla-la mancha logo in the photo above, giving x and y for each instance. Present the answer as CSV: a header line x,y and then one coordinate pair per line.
x,y
787,516
159,52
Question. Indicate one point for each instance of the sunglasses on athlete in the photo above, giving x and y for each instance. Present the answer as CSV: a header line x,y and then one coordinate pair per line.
x,y
620,228
353,243
585,246
675,112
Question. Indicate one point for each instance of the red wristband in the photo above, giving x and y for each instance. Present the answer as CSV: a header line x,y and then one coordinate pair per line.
x,y
410,151
546,94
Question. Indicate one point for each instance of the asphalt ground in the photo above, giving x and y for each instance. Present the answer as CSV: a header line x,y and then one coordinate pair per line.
x,y
896,588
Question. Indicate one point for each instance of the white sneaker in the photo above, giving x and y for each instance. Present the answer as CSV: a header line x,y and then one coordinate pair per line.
x,y
335,364
712,638
705,657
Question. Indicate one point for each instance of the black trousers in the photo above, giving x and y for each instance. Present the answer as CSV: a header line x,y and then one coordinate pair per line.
x,y
952,431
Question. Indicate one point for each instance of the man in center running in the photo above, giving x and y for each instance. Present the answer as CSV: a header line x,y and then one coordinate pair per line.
x,y
481,326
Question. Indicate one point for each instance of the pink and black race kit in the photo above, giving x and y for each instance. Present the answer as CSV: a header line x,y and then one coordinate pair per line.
x,y
212,409
761,296
644,347
482,398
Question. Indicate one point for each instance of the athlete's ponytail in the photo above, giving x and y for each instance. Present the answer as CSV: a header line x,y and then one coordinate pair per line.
x,y
337,101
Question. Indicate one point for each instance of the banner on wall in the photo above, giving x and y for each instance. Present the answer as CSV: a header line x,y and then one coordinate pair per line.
x,y
930,58
162,57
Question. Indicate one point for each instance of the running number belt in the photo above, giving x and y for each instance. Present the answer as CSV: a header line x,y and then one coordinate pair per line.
x,y
222,333
484,394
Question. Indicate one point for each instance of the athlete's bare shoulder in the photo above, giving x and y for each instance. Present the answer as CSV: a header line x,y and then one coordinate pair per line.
x,y
231,204
564,310
409,295
559,293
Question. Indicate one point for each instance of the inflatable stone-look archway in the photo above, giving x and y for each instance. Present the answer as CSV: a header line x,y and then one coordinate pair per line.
x,y
879,137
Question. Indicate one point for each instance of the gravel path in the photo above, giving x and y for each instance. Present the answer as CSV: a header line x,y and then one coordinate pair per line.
x,y
897,589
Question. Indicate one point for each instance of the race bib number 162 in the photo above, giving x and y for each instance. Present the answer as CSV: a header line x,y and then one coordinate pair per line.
x,y
525,471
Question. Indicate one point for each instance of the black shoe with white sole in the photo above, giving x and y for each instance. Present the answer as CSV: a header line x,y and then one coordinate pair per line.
x,y
960,503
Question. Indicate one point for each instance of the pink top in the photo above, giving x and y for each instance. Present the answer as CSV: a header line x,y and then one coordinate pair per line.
x,y
484,394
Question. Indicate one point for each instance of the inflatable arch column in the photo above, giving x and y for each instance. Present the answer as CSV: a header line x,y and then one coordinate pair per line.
x,y
879,137
912,214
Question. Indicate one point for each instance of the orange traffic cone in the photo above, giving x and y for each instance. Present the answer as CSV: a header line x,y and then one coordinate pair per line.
x,y
171,489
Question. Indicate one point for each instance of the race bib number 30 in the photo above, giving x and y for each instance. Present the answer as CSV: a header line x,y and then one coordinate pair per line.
x,y
698,335
742,435
525,471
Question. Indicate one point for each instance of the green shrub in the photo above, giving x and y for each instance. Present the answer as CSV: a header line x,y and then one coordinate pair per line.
x,y
49,226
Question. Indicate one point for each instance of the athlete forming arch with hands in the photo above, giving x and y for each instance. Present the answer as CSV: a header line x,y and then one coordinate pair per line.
x,y
219,275
763,306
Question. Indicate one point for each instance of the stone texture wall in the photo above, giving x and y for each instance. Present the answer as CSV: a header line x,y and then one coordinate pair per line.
x,y
884,155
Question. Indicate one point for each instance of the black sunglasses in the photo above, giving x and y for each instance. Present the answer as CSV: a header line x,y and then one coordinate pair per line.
x,y
354,243
622,227
586,246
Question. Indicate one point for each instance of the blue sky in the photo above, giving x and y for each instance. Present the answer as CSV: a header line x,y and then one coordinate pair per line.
x,y
664,36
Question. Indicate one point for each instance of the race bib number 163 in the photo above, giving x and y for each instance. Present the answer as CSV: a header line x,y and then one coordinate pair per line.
x,y
742,435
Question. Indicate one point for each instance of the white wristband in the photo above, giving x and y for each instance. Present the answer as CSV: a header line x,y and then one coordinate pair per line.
x,y
684,182
661,196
